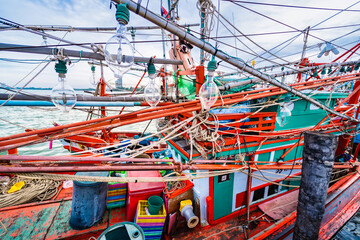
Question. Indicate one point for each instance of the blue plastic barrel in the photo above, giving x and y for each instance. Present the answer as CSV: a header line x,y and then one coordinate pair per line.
x,y
123,231
88,201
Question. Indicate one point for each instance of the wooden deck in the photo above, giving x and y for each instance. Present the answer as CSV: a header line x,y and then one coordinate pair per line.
x,y
50,220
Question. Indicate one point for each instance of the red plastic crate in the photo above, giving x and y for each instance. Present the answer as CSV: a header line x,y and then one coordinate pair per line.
x,y
141,191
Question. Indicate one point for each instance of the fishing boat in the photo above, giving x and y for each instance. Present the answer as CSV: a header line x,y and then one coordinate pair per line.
x,y
226,161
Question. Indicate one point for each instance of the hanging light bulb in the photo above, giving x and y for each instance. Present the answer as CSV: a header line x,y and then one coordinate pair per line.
x,y
119,53
44,42
152,90
283,79
92,77
63,95
284,114
209,91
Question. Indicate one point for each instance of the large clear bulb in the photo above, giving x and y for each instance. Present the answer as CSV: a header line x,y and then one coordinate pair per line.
x,y
209,92
119,53
44,42
283,116
152,92
92,79
63,95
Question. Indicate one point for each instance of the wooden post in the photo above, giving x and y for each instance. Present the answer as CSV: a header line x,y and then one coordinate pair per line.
x,y
318,161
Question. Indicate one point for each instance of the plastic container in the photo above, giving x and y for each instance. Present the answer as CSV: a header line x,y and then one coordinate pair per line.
x,y
88,201
155,203
116,191
123,231
151,224
141,191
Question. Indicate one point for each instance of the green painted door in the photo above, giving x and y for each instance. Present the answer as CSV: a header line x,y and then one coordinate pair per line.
x,y
223,195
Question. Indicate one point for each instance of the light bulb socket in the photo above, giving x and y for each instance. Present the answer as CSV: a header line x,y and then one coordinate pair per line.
x,y
60,67
287,98
122,14
93,68
315,74
151,69
330,70
212,65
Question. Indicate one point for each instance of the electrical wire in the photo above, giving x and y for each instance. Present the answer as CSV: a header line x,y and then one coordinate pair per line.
x,y
293,6
282,23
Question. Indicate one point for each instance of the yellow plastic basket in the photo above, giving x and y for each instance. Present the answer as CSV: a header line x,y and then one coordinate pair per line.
x,y
142,217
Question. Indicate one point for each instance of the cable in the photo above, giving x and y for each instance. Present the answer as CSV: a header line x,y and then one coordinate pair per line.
x,y
292,6
282,23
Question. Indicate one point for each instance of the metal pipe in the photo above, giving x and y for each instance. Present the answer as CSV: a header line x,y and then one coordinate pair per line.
x,y
21,168
79,98
167,25
77,159
79,54
122,167
77,104
87,29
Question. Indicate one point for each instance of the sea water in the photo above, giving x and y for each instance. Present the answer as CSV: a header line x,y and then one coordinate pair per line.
x,y
17,119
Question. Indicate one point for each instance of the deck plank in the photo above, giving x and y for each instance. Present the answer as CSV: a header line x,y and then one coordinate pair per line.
x,y
60,228
28,223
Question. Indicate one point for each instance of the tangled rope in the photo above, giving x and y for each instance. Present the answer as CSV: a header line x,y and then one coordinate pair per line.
x,y
33,190
206,11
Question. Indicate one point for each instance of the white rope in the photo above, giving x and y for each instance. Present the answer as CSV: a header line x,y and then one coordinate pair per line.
x,y
61,177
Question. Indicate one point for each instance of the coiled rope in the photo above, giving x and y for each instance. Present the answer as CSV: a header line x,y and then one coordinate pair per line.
x,y
33,190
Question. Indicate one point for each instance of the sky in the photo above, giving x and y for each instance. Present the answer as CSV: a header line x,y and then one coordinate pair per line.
x,y
97,13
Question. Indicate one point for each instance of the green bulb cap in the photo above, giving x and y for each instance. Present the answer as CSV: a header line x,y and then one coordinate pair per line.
x,y
212,65
357,66
93,68
287,97
323,71
315,73
342,69
60,67
151,69
122,14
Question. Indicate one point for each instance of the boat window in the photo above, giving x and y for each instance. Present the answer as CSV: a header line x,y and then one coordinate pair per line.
x,y
258,194
223,178
273,189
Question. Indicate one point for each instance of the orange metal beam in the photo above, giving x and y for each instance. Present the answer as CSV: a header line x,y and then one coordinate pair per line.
x,y
58,132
